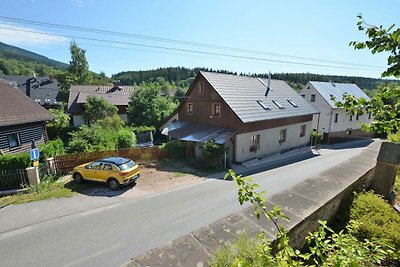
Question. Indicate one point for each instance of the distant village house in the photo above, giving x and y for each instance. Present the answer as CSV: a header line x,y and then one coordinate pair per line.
x,y
117,95
252,117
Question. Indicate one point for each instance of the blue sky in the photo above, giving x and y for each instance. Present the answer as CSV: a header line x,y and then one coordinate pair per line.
x,y
294,30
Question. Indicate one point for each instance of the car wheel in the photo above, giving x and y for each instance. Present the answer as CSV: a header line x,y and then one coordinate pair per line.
x,y
78,178
113,184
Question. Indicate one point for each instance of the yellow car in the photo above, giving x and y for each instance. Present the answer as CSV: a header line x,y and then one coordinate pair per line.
x,y
115,171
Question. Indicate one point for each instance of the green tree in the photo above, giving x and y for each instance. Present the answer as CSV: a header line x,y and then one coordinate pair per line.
x,y
385,105
147,107
96,108
78,66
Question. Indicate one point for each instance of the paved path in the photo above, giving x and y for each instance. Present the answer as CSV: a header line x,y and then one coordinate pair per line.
x,y
111,233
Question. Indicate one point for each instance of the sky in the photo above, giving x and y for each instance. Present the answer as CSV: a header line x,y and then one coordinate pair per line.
x,y
241,36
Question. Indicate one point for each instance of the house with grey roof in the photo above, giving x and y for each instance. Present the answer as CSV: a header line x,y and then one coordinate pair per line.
x,y
43,90
332,122
252,117
115,94
21,120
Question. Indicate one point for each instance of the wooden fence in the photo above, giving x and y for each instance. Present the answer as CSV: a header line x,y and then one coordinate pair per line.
x,y
65,164
13,179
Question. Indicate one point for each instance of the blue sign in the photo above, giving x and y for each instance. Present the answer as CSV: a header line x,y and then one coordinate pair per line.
x,y
34,154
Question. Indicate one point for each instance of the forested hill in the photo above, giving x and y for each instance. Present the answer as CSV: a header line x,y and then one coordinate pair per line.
x,y
13,52
296,80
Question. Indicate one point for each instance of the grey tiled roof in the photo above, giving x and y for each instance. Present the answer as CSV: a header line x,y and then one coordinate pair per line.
x,y
17,108
329,89
43,91
117,96
241,93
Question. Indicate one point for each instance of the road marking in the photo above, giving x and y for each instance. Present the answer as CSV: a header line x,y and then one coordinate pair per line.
x,y
93,211
91,256
15,232
179,188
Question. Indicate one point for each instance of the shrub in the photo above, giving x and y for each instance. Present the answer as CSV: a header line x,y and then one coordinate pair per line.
x,y
376,217
212,154
174,148
52,148
125,138
18,161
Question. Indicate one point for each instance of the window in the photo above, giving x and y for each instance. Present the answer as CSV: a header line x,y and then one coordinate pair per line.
x,y
282,137
292,103
190,108
13,140
312,98
303,130
279,105
254,143
336,117
201,88
351,117
263,104
357,117
216,109
303,96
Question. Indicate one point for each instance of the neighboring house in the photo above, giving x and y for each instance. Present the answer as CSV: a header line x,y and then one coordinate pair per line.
x,y
21,120
332,122
117,95
252,117
43,90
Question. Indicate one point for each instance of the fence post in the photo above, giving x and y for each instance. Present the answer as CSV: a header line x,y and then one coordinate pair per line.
x,y
33,176
51,166
386,169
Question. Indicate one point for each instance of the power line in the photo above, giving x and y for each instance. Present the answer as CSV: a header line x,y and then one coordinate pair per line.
x,y
186,50
182,42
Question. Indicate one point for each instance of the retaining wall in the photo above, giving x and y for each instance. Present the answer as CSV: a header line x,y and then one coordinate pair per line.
x,y
317,198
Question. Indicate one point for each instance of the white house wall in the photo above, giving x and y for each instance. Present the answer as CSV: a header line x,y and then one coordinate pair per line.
x,y
269,141
325,121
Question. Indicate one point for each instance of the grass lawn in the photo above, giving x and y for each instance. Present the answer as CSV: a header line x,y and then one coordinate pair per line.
x,y
47,190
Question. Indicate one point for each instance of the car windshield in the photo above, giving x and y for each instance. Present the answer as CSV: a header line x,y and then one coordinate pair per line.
x,y
126,165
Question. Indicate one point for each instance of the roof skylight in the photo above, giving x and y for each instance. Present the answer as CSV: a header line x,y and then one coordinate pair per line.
x,y
263,104
279,105
292,103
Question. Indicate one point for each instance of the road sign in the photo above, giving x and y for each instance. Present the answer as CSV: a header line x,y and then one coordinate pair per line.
x,y
34,153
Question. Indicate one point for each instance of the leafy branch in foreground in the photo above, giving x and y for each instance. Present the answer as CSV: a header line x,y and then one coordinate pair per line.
x,y
325,247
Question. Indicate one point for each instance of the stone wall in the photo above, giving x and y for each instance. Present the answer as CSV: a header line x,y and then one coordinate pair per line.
x,y
317,198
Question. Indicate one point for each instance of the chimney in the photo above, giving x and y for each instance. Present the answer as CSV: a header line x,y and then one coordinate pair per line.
x,y
28,85
269,84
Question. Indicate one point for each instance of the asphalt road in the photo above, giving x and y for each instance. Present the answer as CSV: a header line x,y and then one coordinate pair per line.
x,y
111,235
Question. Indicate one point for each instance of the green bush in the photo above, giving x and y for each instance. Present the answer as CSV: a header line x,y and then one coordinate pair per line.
x,y
18,161
144,129
376,217
126,138
52,148
174,148
212,154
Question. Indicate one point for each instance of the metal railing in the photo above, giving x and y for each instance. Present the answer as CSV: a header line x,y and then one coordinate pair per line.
x,y
13,179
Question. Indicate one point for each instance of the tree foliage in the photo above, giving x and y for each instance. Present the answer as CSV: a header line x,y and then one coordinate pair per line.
x,y
147,107
107,134
96,108
385,105
212,154
325,246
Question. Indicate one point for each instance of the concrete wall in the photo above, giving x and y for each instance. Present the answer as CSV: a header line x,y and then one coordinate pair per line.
x,y
319,197
269,141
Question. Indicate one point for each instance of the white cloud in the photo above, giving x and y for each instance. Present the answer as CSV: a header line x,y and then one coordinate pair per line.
x,y
12,34
82,3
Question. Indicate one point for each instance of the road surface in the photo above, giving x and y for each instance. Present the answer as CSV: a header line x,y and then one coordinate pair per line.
x,y
111,235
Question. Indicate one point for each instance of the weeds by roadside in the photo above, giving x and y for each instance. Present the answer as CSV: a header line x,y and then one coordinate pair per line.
x,y
48,188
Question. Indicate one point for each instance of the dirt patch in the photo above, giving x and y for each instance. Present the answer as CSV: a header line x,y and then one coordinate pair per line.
x,y
159,177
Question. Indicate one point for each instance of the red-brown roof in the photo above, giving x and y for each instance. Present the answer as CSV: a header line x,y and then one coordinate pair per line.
x,y
17,108
117,96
